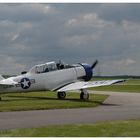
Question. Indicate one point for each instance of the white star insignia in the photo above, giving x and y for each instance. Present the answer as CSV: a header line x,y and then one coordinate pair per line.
x,y
25,83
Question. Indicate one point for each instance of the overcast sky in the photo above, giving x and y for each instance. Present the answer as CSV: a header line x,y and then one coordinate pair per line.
x,y
36,33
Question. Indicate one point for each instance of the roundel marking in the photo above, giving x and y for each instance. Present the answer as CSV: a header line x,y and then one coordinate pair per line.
x,y
25,83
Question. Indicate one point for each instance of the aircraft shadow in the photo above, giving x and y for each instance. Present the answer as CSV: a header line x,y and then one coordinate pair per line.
x,y
107,104
22,98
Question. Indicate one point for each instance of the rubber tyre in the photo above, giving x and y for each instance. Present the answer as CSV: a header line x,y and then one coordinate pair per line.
x,y
84,96
61,95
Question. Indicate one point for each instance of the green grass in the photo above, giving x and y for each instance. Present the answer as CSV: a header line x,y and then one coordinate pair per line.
x,y
132,81
46,100
107,129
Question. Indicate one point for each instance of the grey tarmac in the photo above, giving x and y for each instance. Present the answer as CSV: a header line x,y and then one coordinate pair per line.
x,y
118,106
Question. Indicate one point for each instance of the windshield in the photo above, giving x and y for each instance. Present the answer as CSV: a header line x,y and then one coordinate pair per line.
x,y
43,68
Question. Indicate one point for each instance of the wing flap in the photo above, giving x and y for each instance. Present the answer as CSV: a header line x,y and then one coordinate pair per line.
x,y
84,85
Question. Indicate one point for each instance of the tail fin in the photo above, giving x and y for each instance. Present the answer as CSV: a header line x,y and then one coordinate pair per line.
x,y
1,78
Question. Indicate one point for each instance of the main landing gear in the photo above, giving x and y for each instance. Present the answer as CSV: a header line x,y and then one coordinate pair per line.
x,y
61,95
83,95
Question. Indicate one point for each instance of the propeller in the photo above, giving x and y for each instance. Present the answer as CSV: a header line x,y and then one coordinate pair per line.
x,y
94,64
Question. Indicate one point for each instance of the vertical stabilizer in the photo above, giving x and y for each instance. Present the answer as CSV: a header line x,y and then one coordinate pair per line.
x,y
1,78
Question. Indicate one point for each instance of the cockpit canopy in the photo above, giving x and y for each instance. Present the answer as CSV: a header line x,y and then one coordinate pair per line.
x,y
49,66
42,68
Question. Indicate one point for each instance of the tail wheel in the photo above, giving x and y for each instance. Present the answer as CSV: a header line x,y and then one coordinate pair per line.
x,y
61,95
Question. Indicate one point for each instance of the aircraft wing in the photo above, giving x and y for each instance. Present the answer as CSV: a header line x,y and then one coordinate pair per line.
x,y
84,85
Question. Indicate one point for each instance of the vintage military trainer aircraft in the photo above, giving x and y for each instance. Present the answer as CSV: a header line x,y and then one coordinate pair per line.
x,y
57,77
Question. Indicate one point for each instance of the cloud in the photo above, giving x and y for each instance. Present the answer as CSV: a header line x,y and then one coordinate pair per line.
x,y
120,62
119,12
36,33
91,20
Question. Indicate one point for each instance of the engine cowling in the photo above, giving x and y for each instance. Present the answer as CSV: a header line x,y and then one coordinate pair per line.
x,y
88,71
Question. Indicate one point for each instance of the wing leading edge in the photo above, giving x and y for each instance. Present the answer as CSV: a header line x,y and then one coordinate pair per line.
x,y
84,85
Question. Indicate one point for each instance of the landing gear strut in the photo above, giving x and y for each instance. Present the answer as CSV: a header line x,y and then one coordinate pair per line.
x,y
61,95
84,95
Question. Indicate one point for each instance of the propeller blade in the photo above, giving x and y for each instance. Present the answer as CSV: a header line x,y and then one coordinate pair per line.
x,y
94,64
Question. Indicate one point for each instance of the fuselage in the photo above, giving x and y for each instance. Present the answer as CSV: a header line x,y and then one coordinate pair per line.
x,y
52,79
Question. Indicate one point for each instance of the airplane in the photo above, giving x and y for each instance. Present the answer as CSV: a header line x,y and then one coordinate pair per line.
x,y
52,76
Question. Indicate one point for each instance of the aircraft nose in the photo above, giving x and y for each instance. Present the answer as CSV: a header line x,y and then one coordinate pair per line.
x,y
88,72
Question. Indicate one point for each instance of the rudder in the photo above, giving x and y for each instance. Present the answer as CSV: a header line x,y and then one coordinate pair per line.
x,y
1,77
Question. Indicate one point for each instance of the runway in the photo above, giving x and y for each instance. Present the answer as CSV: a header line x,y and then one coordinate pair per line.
x,y
118,106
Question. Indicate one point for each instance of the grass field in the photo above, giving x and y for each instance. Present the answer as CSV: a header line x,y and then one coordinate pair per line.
x,y
107,129
46,100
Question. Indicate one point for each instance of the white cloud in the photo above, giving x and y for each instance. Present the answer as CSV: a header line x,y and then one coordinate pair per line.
x,y
15,37
81,40
88,20
8,64
34,33
48,9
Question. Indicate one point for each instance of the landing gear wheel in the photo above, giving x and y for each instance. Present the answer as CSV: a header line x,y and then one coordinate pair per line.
x,y
61,95
0,98
84,95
